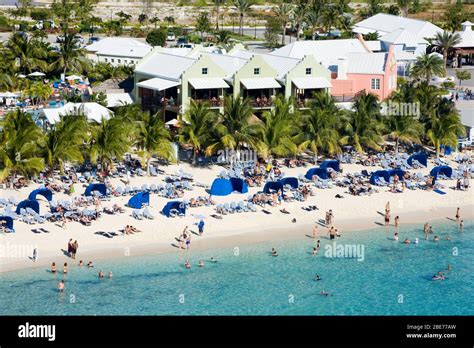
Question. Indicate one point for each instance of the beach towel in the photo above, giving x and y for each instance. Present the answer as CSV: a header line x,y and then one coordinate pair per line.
x,y
439,191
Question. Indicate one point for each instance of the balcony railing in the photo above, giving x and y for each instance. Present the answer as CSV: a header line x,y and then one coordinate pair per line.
x,y
262,103
213,102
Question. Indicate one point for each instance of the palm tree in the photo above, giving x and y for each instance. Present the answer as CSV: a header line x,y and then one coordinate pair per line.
x,y
300,14
153,139
283,12
319,129
426,66
243,6
65,140
403,5
234,128
195,127
280,129
429,97
109,141
31,53
218,4
403,128
20,139
362,126
70,56
445,129
39,92
445,41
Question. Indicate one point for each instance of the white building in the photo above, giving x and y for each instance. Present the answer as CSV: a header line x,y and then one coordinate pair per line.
x,y
408,36
118,51
465,48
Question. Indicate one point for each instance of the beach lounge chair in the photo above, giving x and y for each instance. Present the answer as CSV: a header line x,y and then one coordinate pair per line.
x,y
227,208
242,207
145,187
251,207
39,219
3,202
153,171
147,214
137,214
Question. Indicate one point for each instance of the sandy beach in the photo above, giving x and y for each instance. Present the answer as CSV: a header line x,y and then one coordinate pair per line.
x,y
158,235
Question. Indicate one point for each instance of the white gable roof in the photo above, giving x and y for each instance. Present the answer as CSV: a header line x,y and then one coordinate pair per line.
x,y
366,63
467,35
385,23
165,65
325,52
229,64
119,46
282,64
118,99
402,36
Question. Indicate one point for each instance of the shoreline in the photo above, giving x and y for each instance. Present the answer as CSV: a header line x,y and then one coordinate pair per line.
x,y
247,236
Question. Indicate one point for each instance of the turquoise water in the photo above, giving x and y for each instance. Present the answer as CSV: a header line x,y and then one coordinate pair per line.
x,y
255,283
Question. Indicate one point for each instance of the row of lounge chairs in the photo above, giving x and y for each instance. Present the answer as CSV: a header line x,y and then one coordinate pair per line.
x,y
235,207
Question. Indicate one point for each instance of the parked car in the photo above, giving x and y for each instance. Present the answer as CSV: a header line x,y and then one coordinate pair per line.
x,y
171,37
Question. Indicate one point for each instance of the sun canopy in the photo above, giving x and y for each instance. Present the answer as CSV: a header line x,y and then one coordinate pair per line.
x,y
224,187
46,193
101,188
93,112
174,205
322,173
8,222
158,84
311,82
330,164
208,83
260,83
139,199
36,74
118,99
421,158
293,182
398,172
28,204
445,170
379,174
74,77
274,186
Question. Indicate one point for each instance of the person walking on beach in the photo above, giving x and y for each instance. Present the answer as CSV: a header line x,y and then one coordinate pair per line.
x,y
458,214
69,247
331,217
315,231
387,208
75,245
387,219
35,254
201,227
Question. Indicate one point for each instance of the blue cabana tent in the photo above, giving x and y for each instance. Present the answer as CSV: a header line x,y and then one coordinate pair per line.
x,y
224,187
177,205
272,185
446,170
139,199
96,187
293,182
320,172
379,174
398,172
28,204
334,164
46,193
421,157
8,222
221,187
239,185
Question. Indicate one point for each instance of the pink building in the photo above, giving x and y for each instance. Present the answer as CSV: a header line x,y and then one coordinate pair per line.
x,y
365,71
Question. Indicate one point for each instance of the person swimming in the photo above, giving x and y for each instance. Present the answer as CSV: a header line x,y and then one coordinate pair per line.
x,y
101,274
325,293
436,239
187,265
81,263
201,263
416,240
213,260
315,251
111,274
317,277
61,286
449,268
407,241
274,252
53,267
89,264
395,236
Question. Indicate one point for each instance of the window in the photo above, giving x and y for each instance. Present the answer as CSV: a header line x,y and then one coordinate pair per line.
x,y
204,71
125,61
105,59
256,71
375,84
112,60
308,71
119,61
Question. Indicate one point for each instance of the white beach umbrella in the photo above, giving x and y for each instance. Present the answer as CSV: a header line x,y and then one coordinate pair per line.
x,y
37,74
174,122
74,77
21,76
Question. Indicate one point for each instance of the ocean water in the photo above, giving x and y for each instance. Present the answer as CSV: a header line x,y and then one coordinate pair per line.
x,y
391,279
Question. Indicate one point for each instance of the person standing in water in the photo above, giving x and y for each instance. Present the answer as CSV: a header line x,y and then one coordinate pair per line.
x,y
461,225
426,230
397,221
35,254
61,286
387,219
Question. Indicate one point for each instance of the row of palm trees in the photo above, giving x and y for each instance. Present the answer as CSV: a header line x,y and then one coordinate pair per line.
x,y
283,131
